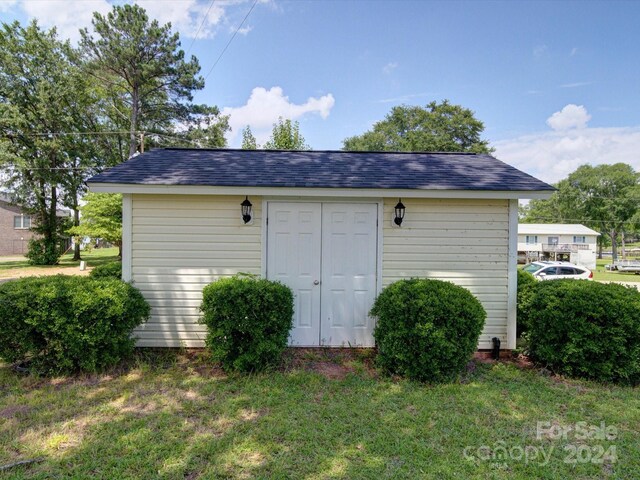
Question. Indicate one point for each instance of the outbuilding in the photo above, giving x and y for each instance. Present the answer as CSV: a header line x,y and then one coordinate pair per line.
x,y
335,226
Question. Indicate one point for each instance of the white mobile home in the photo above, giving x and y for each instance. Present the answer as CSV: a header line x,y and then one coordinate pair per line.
x,y
335,226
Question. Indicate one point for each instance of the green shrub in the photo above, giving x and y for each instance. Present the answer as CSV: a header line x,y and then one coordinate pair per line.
x,y
526,289
426,330
108,270
587,329
248,321
44,252
62,324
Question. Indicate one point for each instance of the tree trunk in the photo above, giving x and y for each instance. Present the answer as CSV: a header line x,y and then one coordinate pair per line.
x,y
120,250
600,243
53,219
76,222
133,142
614,245
622,244
51,235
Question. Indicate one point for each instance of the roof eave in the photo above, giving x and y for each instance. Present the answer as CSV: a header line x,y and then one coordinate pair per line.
x,y
317,192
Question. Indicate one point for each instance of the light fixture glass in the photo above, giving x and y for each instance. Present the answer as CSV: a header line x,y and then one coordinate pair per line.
x,y
399,212
246,210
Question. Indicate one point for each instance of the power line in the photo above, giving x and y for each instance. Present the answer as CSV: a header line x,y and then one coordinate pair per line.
x,y
231,39
57,134
200,27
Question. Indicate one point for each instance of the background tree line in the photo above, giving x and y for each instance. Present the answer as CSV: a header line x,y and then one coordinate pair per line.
x,y
68,112
605,198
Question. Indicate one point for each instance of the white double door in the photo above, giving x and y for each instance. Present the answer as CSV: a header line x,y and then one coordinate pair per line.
x,y
327,254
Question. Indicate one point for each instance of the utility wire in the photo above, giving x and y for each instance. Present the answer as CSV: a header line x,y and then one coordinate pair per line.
x,y
231,39
200,27
57,134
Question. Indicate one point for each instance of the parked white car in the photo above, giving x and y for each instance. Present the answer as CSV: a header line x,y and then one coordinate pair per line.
x,y
558,270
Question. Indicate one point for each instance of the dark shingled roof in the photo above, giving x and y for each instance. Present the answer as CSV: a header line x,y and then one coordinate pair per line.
x,y
320,169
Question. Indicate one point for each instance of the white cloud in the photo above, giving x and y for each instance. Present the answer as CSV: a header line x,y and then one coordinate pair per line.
x,y
551,156
7,5
264,107
389,67
188,17
540,50
571,116
575,84
68,16
402,98
244,30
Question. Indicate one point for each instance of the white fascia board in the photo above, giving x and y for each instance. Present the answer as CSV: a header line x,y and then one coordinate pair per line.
x,y
313,192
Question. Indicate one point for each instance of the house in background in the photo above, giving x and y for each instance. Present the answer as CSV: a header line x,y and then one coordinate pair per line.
x,y
334,226
15,227
555,241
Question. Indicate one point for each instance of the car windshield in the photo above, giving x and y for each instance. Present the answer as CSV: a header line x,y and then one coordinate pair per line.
x,y
532,268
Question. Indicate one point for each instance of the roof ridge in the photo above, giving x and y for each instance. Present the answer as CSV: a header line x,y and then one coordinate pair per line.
x,y
313,151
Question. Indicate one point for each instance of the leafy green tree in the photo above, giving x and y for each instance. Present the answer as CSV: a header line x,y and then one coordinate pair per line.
x,y
561,207
101,218
46,105
286,136
139,62
204,129
437,127
248,140
605,198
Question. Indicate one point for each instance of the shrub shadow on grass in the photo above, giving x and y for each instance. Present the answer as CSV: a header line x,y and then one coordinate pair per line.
x,y
168,416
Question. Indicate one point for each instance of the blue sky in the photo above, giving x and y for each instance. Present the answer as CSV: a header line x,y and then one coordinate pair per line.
x,y
557,84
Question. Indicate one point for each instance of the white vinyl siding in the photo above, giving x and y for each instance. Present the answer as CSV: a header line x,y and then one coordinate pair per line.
x,y
179,244
462,241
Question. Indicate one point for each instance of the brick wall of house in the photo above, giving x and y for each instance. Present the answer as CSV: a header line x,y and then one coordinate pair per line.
x,y
13,241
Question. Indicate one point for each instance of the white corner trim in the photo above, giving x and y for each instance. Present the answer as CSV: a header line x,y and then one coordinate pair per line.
x,y
512,275
263,236
127,236
315,192
380,243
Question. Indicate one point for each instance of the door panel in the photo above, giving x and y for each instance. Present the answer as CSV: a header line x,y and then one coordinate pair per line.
x,y
349,257
293,258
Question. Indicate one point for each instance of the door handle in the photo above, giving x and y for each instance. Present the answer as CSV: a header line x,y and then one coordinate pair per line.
x,y
316,282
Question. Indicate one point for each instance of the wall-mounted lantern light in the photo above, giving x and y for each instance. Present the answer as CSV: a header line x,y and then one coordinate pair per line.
x,y
246,210
398,212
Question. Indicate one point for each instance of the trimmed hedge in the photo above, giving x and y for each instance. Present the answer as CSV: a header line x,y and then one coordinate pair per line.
x,y
107,270
526,290
587,329
63,324
427,330
248,321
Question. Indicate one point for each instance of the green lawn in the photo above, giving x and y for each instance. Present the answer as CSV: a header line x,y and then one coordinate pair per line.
x,y
95,257
171,415
601,274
